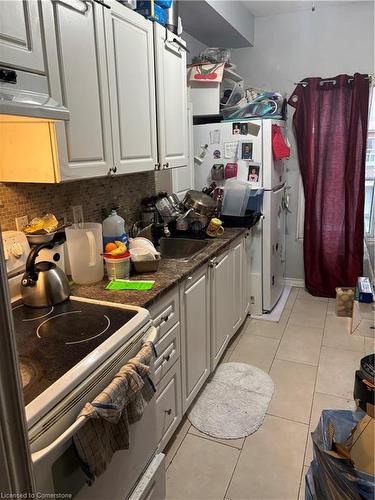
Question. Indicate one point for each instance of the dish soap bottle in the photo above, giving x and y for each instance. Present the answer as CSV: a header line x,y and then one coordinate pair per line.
x,y
115,239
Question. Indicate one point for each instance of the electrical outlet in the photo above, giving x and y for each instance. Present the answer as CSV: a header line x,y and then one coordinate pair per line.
x,y
21,222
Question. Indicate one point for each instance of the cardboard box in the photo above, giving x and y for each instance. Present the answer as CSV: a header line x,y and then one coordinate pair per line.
x,y
362,449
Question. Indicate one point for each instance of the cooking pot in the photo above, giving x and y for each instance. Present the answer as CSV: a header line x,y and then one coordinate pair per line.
x,y
43,284
200,202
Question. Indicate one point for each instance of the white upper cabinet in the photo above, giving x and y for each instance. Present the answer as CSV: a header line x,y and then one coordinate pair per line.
x,y
20,35
130,55
77,71
171,92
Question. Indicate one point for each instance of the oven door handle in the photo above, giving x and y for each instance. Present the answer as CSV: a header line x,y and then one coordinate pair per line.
x,y
40,455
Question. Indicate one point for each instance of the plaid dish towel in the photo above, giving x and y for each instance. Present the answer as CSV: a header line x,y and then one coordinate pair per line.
x,y
109,415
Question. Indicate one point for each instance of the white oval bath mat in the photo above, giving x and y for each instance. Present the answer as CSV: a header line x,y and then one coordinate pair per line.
x,y
234,402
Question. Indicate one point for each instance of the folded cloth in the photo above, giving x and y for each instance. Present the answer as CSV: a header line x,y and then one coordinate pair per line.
x,y
109,415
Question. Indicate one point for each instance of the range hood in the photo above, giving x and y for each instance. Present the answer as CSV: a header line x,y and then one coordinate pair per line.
x,y
26,94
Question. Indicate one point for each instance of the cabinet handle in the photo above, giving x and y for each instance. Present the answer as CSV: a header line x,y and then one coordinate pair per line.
x,y
165,318
112,171
167,357
157,166
168,412
212,263
189,278
166,165
181,45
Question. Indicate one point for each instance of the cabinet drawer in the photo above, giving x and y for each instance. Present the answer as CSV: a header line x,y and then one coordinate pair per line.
x,y
168,349
166,312
168,405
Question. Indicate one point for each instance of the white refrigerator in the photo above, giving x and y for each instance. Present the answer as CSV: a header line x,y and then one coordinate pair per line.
x,y
247,147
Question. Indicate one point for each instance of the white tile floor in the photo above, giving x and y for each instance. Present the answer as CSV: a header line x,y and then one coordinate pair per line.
x,y
311,358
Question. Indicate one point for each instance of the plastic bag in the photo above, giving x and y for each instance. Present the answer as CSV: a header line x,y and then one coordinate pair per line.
x,y
332,475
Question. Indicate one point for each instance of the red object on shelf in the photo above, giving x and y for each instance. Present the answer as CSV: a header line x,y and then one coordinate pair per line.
x,y
280,148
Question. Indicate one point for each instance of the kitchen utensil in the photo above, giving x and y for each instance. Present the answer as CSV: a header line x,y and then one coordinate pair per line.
x,y
43,284
199,202
85,246
166,209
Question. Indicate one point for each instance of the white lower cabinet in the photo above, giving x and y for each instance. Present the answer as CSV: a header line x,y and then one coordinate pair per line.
x,y
195,322
221,305
246,275
195,334
168,405
237,285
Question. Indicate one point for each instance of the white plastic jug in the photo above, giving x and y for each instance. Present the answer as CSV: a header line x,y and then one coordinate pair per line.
x,y
114,229
85,246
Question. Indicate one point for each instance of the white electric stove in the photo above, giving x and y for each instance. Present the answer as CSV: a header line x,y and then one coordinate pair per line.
x,y
68,354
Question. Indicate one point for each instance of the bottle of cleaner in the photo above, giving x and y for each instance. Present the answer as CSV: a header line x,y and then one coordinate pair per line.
x,y
114,235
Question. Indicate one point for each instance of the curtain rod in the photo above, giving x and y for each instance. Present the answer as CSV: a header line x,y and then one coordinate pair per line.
x,y
304,83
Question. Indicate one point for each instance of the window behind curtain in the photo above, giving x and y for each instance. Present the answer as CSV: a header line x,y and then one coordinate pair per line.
x,y
370,171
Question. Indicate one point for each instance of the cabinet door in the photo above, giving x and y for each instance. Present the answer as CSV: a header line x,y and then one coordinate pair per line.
x,y
77,70
195,330
237,285
168,405
221,306
20,35
246,244
171,93
130,54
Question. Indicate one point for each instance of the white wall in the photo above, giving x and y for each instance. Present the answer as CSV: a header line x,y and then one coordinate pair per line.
x,y
293,46
194,46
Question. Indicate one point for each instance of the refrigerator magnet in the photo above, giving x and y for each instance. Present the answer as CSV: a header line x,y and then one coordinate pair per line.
x,y
230,149
246,150
236,128
230,170
217,154
253,175
217,172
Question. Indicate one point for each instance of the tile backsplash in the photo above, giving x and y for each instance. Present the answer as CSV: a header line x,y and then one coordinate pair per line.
x,y
126,192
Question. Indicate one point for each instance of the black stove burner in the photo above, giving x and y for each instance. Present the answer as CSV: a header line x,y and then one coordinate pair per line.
x,y
50,341
73,327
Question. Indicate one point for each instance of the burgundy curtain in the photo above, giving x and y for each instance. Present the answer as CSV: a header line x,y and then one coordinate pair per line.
x,y
330,122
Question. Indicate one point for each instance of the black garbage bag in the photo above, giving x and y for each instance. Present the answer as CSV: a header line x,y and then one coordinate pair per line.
x,y
332,474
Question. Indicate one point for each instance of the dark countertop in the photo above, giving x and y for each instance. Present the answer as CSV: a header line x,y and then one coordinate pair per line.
x,y
170,273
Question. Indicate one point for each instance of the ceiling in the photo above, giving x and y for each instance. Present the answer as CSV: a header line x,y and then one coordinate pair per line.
x,y
271,8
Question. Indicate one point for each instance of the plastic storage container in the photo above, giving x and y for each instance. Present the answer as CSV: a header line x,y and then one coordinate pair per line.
x,y
345,301
118,267
236,197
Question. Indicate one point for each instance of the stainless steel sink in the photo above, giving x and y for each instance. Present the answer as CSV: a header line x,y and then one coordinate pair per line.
x,y
181,248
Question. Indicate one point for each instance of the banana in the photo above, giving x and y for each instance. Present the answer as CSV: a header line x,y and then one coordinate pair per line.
x,y
121,248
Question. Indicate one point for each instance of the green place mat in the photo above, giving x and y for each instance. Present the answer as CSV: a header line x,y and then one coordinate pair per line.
x,y
129,285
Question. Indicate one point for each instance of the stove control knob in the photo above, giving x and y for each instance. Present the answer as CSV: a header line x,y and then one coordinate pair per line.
x,y
17,250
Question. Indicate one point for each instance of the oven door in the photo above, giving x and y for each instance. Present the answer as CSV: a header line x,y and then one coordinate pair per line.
x,y
56,466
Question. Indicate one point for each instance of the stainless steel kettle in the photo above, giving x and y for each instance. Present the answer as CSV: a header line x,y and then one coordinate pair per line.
x,y
43,284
